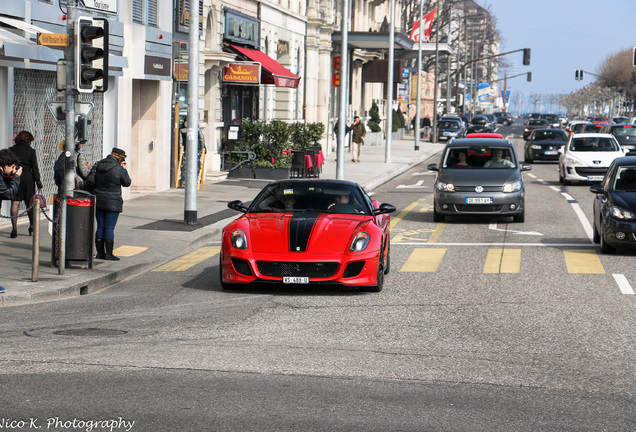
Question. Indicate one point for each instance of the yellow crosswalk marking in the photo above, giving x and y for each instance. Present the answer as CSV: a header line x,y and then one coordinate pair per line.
x,y
423,260
583,261
503,261
191,259
128,251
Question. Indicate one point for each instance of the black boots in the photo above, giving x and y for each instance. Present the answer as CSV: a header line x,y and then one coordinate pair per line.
x,y
99,245
109,251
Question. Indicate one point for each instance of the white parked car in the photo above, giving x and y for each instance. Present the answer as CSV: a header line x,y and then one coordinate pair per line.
x,y
587,156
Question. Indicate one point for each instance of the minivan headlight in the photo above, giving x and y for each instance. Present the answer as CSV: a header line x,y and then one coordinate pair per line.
x,y
446,187
512,187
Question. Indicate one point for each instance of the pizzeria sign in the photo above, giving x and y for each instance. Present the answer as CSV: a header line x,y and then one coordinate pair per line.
x,y
242,73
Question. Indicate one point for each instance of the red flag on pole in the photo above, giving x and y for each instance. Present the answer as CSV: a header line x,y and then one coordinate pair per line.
x,y
428,26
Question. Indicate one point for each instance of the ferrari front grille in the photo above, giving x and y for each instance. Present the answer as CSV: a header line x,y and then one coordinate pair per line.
x,y
307,269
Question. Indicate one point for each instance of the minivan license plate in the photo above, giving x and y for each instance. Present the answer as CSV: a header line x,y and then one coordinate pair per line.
x,y
478,200
295,280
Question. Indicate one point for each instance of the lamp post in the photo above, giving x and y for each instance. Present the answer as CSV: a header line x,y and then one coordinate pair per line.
x,y
389,119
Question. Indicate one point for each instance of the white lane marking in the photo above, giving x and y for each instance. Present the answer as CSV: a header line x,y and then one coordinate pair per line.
x,y
416,185
531,175
584,245
423,173
556,189
587,227
493,226
623,284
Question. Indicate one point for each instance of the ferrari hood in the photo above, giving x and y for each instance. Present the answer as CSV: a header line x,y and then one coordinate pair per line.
x,y
303,232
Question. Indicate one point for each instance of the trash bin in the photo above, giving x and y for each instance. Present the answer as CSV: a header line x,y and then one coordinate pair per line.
x,y
80,227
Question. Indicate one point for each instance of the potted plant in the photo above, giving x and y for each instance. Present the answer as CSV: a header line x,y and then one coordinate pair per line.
x,y
374,131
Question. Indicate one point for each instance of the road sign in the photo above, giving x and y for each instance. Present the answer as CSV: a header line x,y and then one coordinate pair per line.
x,y
109,6
53,39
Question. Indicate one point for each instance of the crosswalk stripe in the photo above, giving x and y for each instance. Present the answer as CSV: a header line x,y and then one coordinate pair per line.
x,y
503,261
583,261
423,260
128,251
190,260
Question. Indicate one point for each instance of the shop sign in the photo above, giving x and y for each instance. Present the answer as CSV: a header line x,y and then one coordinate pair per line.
x,y
157,66
243,73
241,28
181,71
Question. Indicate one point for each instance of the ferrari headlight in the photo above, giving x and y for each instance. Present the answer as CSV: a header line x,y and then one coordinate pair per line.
x,y
446,187
571,161
621,213
360,242
512,187
239,239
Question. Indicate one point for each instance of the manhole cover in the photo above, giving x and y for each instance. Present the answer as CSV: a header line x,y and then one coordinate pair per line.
x,y
90,332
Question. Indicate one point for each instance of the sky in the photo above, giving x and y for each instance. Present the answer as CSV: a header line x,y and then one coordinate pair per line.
x,y
564,35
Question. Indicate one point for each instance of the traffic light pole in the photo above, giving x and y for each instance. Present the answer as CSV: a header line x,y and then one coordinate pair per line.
x,y
69,166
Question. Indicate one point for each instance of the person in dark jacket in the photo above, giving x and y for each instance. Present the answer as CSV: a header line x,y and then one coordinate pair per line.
x,y
28,181
10,175
110,176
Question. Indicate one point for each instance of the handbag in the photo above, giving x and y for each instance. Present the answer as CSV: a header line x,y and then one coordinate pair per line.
x,y
38,196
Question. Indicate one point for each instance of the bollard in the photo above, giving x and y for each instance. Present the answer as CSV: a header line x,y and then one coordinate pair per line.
x,y
35,266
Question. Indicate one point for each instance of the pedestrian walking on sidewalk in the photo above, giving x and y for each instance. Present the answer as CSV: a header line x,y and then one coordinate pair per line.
x,y
426,123
357,138
11,171
29,179
110,176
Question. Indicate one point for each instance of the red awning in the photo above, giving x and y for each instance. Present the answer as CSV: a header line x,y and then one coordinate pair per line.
x,y
273,72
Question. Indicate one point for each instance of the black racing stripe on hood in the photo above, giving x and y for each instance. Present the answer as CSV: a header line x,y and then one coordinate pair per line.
x,y
300,227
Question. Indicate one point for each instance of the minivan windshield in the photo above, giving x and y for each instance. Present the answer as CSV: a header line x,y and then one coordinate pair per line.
x,y
479,157
601,144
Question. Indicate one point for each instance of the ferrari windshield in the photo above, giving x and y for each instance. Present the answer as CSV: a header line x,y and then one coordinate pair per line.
x,y
495,157
308,196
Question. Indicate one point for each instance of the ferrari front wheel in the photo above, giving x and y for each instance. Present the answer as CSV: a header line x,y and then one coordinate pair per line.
x,y
379,279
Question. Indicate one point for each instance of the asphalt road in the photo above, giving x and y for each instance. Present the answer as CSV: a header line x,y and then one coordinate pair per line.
x,y
454,342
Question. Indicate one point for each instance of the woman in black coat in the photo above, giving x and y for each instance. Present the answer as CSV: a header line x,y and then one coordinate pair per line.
x,y
110,176
28,181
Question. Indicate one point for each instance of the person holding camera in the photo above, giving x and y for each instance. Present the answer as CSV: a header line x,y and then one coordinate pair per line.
x,y
110,176
10,175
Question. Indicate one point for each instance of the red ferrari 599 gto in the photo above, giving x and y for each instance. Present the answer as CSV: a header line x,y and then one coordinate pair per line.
x,y
308,232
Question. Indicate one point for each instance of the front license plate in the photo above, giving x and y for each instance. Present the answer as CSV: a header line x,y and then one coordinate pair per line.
x,y
478,200
551,152
595,178
295,280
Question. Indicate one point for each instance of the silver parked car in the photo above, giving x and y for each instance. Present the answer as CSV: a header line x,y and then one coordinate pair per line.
x,y
479,176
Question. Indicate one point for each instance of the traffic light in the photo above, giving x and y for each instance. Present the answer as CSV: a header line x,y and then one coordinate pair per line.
x,y
581,74
526,56
529,76
81,128
576,75
634,62
91,54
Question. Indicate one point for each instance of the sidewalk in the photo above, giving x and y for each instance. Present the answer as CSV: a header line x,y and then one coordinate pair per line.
x,y
150,231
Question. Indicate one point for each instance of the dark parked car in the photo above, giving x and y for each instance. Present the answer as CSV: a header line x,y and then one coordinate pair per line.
x,y
592,128
625,135
615,206
545,144
553,119
448,129
480,124
534,124
479,176
504,118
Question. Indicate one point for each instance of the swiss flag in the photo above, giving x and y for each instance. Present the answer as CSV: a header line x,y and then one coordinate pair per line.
x,y
428,25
